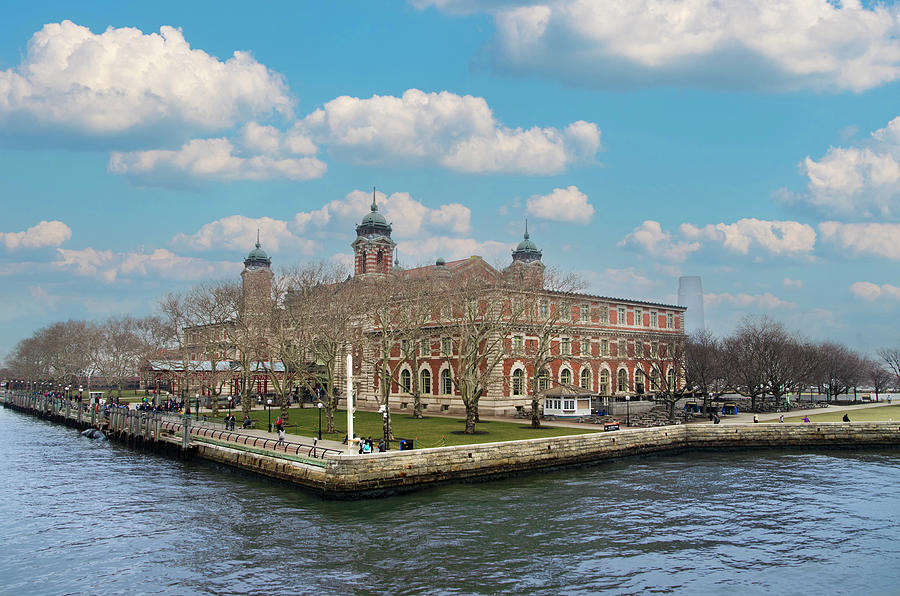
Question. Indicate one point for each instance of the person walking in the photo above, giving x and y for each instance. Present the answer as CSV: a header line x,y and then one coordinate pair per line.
x,y
755,418
781,418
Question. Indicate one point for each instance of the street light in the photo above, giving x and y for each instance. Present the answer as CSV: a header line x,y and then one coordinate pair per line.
x,y
269,411
627,411
320,405
197,395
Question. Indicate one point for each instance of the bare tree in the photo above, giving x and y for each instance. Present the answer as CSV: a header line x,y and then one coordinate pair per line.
x,y
327,308
704,370
666,371
840,369
543,309
479,317
891,357
876,375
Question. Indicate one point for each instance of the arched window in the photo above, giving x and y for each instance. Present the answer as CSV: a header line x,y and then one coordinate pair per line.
x,y
622,385
363,260
426,381
446,382
543,380
565,376
638,381
518,382
586,378
670,380
654,380
604,382
405,380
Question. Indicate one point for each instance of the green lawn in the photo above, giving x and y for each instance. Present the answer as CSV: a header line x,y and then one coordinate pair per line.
x,y
432,431
874,414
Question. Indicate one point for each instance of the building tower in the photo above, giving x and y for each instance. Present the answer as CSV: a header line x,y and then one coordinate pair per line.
x,y
526,260
373,248
690,295
256,282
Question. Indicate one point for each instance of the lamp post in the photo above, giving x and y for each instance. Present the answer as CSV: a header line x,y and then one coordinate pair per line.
x,y
627,411
197,396
320,405
269,412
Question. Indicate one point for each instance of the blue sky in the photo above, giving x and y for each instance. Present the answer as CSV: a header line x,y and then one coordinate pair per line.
x,y
752,143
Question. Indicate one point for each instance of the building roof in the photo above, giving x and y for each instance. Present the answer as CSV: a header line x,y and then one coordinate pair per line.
x,y
257,257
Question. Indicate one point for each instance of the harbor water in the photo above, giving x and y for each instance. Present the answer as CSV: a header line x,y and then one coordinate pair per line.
x,y
78,516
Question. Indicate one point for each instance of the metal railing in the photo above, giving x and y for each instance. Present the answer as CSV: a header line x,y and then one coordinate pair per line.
x,y
149,424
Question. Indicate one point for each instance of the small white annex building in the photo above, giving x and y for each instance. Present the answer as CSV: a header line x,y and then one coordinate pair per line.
x,y
564,400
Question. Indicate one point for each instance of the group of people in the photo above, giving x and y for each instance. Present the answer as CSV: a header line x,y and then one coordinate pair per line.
x,y
368,445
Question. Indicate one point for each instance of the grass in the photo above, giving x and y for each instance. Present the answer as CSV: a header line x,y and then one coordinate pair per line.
x,y
875,414
431,431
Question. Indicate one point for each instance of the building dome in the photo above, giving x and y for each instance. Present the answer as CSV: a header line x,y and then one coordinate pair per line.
x,y
526,244
527,251
257,258
374,223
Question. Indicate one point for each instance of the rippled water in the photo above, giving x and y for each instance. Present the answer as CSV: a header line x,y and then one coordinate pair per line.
x,y
78,516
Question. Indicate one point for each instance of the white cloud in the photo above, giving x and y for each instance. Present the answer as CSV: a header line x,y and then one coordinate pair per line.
x,y
213,160
110,266
766,301
124,84
870,292
792,283
649,237
426,250
46,233
412,216
875,239
858,181
789,238
445,129
562,204
238,233
756,44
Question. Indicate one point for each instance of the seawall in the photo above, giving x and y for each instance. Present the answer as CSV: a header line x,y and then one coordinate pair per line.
x,y
345,476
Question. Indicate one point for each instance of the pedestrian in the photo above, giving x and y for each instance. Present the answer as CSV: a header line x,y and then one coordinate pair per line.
x,y
755,418
806,419
716,420
381,446
846,418
281,436
781,418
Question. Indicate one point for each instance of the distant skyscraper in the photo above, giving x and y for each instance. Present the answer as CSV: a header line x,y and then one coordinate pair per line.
x,y
690,294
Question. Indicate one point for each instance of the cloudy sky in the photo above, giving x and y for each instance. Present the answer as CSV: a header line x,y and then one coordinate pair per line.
x,y
753,142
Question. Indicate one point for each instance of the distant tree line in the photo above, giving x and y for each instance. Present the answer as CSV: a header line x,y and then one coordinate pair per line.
x,y
767,363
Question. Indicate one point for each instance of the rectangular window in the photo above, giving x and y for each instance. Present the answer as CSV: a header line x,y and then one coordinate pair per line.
x,y
585,313
604,347
654,348
670,320
638,349
622,315
568,404
565,346
404,346
518,344
445,346
621,348
544,309
565,311
585,347
604,313
638,317
425,348
654,318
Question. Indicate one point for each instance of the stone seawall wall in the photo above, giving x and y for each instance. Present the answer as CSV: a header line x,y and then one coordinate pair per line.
x,y
274,467
403,470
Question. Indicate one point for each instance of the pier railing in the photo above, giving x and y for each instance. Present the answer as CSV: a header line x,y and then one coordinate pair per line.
x,y
149,425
